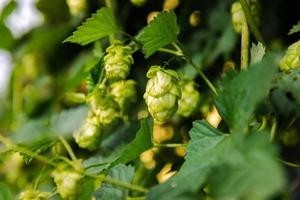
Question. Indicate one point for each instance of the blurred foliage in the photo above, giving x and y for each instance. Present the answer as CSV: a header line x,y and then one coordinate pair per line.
x,y
238,159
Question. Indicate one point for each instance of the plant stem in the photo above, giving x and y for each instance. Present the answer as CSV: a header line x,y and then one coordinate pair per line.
x,y
170,145
125,185
245,45
289,163
252,23
108,4
16,93
135,198
196,67
68,148
176,53
273,129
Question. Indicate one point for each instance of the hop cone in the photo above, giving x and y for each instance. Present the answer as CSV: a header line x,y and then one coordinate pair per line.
x,y
124,93
104,107
34,195
89,133
189,99
117,61
291,59
162,93
68,182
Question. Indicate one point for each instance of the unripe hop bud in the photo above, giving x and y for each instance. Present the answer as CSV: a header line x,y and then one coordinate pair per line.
x,y
89,133
238,15
34,195
104,107
189,100
124,93
291,59
162,94
68,181
117,61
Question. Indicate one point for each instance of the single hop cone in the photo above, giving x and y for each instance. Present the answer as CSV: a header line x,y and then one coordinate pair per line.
x,y
68,181
162,94
89,134
117,61
189,100
291,58
104,107
34,195
238,15
124,93
138,3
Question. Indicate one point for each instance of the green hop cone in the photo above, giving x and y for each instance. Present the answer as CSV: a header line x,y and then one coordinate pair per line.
x,y
89,134
291,59
189,100
117,61
238,15
68,181
162,93
104,107
124,93
34,195
138,3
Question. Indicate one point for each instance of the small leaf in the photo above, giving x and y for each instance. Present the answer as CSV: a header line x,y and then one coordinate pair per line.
x,y
239,95
101,24
295,28
107,191
257,52
7,10
162,31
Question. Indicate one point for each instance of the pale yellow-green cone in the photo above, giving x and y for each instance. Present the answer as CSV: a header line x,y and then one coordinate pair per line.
x,y
117,61
162,94
238,16
124,93
291,58
68,181
34,195
89,134
189,100
104,107
77,7
138,3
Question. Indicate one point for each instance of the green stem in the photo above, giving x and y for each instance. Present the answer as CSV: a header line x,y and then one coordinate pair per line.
x,y
108,4
252,23
135,198
273,129
170,145
245,45
196,67
289,163
68,148
16,94
170,51
125,185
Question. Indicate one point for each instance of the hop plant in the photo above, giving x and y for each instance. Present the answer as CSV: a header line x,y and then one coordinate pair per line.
x,y
34,195
162,93
104,107
68,181
117,61
238,15
124,93
89,133
291,59
189,100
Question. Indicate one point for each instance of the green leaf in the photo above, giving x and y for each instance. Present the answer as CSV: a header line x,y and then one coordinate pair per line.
x,y
295,28
6,38
251,170
36,148
140,143
257,52
161,31
239,96
107,191
6,192
101,24
247,166
207,148
88,187
8,9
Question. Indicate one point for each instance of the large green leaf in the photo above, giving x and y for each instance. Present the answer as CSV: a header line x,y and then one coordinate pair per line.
x,y
246,165
161,31
101,24
107,191
239,95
